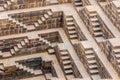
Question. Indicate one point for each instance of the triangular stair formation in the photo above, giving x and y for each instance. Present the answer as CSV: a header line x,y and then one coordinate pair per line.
x,y
45,41
46,16
19,46
72,33
51,46
17,22
28,69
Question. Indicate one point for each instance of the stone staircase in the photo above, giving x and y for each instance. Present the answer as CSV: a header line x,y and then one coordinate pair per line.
x,y
116,51
28,69
46,16
97,31
72,33
66,62
50,49
19,46
91,62
45,41
78,3
17,22
25,41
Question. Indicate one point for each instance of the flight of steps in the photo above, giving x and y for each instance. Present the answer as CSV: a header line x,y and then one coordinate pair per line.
x,y
17,22
116,53
51,46
19,46
72,33
40,21
78,3
66,62
91,62
45,41
7,4
97,31
28,69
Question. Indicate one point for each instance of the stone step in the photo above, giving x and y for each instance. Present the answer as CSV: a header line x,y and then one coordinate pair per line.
x,y
95,24
51,51
39,21
66,67
89,52
48,76
73,36
43,19
93,15
69,16
117,51
94,72
65,53
19,45
91,62
22,43
36,24
67,62
72,32
26,40
94,19
70,24
77,4
46,16
98,34
65,58
93,66
68,72
78,0
12,51
118,60
90,57
69,19
117,56
37,72
50,13
52,2
97,29
16,48
71,28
